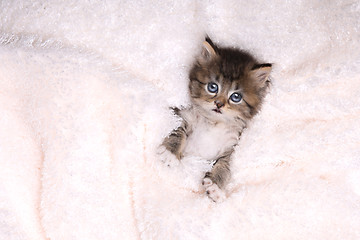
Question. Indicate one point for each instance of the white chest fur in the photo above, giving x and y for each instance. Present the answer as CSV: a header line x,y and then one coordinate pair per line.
x,y
209,140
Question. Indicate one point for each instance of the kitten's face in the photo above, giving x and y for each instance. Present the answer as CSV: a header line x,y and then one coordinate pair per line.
x,y
228,84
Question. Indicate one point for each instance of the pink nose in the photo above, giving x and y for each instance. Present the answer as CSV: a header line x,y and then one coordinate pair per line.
x,y
219,104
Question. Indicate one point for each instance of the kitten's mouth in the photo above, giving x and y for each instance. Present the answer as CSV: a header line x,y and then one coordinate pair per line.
x,y
217,110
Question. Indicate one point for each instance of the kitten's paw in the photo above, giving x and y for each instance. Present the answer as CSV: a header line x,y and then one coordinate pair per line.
x,y
207,182
167,157
213,191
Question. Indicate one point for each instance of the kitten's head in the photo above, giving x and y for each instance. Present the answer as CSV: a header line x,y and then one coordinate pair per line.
x,y
227,84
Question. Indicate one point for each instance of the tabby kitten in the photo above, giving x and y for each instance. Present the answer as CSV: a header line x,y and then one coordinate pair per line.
x,y
227,87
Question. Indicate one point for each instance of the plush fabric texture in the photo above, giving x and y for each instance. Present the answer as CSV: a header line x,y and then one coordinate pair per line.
x,y
85,91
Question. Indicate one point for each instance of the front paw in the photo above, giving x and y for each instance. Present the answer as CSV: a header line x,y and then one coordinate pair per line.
x,y
167,157
213,191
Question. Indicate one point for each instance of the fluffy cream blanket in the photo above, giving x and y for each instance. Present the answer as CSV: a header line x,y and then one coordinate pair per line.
x,y
85,88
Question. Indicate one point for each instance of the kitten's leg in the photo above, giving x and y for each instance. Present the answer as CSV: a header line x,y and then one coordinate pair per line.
x,y
175,142
173,145
216,180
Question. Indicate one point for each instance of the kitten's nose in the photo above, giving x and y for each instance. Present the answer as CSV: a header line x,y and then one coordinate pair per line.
x,y
219,104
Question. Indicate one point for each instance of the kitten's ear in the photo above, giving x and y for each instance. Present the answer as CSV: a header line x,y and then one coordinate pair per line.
x,y
208,51
261,72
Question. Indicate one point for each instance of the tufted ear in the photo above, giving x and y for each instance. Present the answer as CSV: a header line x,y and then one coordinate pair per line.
x,y
261,72
208,51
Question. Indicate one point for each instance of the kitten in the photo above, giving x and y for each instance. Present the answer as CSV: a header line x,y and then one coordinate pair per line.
x,y
227,87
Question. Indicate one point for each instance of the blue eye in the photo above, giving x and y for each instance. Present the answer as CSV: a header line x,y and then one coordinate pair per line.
x,y
212,87
236,97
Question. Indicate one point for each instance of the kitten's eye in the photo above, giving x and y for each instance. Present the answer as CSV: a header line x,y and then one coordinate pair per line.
x,y
236,97
212,87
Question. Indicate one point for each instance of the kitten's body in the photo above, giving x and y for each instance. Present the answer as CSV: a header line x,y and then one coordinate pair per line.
x,y
227,87
206,134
